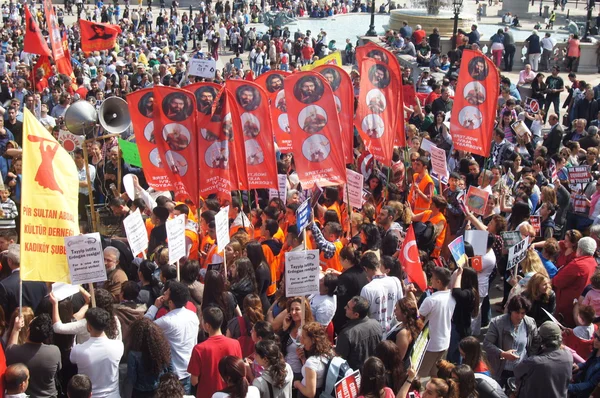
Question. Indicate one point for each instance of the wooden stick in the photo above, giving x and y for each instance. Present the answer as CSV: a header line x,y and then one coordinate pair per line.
x,y
89,186
225,264
178,273
93,295
303,312
20,298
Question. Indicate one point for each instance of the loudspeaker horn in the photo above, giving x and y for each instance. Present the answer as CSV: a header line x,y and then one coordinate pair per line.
x,y
81,118
113,115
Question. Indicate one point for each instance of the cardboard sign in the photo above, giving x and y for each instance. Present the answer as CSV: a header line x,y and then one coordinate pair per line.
x,y
579,174
222,228
420,348
439,166
86,258
477,200
477,239
203,68
349,386
281,191
303,215
536,223
457,248
176,238
517,253
521,128
70,141
354,189
510,238
63,290
426,145
130,153
302,270
135,229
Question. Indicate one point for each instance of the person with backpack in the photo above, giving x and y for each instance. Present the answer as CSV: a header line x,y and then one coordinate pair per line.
x,y
315,357
240,327
276,379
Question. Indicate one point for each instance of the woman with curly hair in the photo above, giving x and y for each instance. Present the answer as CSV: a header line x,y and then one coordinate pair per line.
x,y
243,325
408,328
104,300
233,373
169,387
539,292
290,333
244,280
277,374
27,315
148,359
315,357
395,373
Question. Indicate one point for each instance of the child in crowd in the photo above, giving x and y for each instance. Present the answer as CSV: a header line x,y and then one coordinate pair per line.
x,y
8,210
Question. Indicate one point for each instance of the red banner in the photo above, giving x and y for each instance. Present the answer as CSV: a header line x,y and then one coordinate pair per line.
x,y
317,138
214,160
377,109
63,63
343,94
34,42
141,110
98,36
373,51
176,139
252,125
474,111
273,81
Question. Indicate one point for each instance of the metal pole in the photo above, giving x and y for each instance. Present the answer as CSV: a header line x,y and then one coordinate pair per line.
x,y
371,32
455,30
587,22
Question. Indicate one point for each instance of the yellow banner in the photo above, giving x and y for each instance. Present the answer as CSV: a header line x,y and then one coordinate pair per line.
x,y
49,196
332,59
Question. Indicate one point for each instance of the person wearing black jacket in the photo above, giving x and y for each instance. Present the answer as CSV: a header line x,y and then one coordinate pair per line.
x,y
554,137
465,291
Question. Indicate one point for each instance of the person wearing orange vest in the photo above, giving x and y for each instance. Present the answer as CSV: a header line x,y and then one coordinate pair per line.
x,y
421,190
272,213
271,249
207,241
236,213
329,244
436,217
192,241
213,256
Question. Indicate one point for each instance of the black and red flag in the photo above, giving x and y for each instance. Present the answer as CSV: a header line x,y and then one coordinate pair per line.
x,y
98,36
34,42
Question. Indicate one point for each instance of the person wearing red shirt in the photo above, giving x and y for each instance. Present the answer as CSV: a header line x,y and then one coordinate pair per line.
x,y
41,82
418,35
571,279
204,364
81,90
307,54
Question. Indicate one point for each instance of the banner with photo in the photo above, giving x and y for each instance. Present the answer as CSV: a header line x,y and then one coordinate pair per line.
x,y
475,102
141,110
252,125
175,135
343,94
273,81
317,139
62,61
98,36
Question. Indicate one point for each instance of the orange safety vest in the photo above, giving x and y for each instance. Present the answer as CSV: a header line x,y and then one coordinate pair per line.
x,y
279,235
213,250
439,242
417,203
333,262
336,207
195,240
273,262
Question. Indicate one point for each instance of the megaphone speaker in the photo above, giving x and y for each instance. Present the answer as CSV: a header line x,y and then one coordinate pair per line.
x,y
113,115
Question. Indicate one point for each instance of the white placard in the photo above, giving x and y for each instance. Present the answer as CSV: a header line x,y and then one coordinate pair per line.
x,y
129,186
517,253
86,258
222,228
426,145
137,237
354,193
553,319
2,64
302,271
203,68
281,191
438,162
176,238
63,290
477,239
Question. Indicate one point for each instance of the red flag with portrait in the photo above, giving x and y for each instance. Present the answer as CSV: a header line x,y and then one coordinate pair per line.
x,y
34,42
317,138
141,110
176,139
343,95
474,110
62,61
273,82
98,36
252,125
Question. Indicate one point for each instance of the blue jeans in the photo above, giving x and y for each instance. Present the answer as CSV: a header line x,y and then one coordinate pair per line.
x,y
187,384
453,354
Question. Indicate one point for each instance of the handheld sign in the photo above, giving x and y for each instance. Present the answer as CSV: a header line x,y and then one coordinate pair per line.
x,y
477,199
63,290
477,239
349,386
457,248
136,232
203,68
510,238
355,182
517,253
302,271
420,348
536,223
222,228
303,215
85,258
439,166
281,191
579,174
176,238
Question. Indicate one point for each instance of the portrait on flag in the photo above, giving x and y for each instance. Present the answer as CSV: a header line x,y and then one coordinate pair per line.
x,y
98,36
273,81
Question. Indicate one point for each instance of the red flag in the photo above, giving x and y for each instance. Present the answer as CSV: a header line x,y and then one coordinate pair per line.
x,y
273,81
141,109
44,64
98,36
252,125
63,63
474,110
317,139
34,42
409,258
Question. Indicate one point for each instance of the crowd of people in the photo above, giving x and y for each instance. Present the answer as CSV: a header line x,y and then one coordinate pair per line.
x,y
160,330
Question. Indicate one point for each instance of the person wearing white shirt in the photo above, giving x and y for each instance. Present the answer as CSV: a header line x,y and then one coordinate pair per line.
x,y
437,311
488,263
383,292
99,357
548,44
180,327
324,304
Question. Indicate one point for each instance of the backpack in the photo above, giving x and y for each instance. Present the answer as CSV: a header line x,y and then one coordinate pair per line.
x,y
245,338
337,368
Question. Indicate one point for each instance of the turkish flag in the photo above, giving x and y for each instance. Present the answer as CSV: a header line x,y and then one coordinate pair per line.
x,y
34,42
409,258
98,36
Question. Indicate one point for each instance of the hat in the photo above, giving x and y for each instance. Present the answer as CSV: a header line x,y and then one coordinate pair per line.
x,y
549,331
120,63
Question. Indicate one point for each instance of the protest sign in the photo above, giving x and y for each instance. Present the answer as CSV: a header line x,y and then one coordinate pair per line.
x,y
86,258
477,200
203,68
70,141
303,215
536,223
281,191
62,290
477,239
176,238
349,386
130,152
2,64
439,167
420,348
521,129
302,271
354,191
517,253
222,228
532,105
579,174
510,238
135,229
426,145
457,248
332,59
553,319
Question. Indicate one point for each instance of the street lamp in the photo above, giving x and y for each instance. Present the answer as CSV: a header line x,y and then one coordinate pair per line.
x,y
371,32
457,5
590,6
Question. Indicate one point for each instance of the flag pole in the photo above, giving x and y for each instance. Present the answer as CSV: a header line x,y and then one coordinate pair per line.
x,y
20,297
178,272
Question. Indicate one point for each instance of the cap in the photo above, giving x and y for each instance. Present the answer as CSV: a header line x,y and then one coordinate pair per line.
x,y
549,331
120,63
